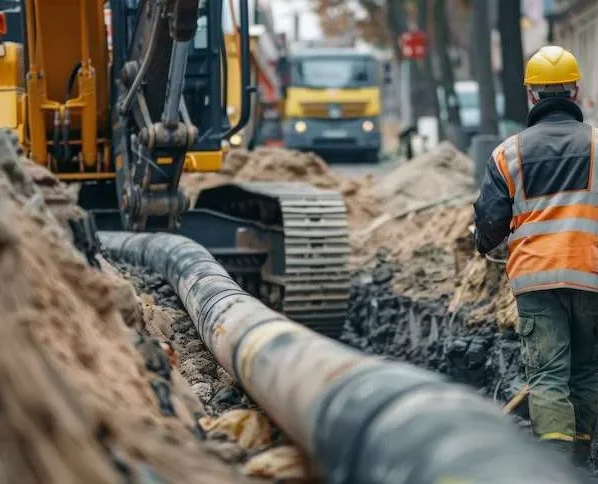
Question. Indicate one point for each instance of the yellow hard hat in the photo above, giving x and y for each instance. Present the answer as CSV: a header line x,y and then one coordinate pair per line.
x,y
551,65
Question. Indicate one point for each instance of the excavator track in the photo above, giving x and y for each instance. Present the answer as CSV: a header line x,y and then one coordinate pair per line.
x,y
310,261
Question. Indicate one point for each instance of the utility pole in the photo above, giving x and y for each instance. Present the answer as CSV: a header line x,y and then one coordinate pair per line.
x,y
509,24
406,105
453,130
297,25
430,85
484,73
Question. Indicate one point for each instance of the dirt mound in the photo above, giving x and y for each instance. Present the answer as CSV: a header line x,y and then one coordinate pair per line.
x,y
423,201
80,401
280,165
443,173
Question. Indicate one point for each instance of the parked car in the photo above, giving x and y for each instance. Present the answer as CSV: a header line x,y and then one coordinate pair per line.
x,y
469,106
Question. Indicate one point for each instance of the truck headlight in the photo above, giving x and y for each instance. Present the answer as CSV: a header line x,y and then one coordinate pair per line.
x,y
367,126
301,126
236,140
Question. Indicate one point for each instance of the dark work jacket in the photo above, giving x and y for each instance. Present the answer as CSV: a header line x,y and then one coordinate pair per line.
x,y
555,149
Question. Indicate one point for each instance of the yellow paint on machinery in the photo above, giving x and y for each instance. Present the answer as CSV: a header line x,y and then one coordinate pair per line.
x,y
67,43
206,161
62,35
233,88
12,99
302,102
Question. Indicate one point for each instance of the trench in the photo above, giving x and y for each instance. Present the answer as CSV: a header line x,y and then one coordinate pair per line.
x,y
208,381
424,333
362,419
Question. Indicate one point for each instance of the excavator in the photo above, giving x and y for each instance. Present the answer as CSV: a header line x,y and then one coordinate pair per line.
x,y
124,115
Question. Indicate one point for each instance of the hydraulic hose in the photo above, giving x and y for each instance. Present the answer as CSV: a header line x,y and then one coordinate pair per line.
x,y
145,64
362,419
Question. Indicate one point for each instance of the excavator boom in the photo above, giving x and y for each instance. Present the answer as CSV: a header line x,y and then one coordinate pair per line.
x,y
124,121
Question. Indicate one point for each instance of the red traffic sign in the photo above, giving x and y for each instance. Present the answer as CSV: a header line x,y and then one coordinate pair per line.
x,y
414,45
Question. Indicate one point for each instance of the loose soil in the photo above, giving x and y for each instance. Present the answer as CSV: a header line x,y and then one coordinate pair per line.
x,y
106,377
89,395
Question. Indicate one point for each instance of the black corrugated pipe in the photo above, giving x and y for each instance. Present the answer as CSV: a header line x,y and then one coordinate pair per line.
x,y
362,419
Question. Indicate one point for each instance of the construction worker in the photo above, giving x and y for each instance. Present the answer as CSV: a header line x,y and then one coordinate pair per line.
x,y
541,190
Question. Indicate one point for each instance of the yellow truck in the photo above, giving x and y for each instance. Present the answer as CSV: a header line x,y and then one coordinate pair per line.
x,y
265,50
333,102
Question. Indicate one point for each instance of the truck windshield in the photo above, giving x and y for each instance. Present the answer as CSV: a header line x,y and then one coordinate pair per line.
x,y
333,72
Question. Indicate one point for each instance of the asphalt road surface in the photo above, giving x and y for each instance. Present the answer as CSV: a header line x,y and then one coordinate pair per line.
x,y
355,168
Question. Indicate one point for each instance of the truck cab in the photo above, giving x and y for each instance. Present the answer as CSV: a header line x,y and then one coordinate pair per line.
x,y
333,102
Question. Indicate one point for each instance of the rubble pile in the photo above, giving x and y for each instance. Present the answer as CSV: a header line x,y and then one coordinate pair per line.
x,y
424,332
423,294
88,394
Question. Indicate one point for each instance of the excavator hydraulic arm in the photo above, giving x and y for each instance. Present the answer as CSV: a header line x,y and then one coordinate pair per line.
x,y
118,106
153,128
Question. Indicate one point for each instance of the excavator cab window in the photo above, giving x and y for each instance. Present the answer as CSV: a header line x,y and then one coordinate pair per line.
x,y
204,79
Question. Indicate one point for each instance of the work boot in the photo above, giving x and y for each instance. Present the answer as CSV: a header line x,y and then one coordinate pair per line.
x,y
581,454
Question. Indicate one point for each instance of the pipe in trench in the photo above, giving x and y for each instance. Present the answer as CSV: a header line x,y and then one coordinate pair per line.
x,y
362,419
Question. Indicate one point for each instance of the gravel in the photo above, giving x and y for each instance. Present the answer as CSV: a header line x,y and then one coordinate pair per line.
x,y
423,332
215,388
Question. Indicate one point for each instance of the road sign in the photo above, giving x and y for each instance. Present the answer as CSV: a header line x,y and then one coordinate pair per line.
x,y
413,45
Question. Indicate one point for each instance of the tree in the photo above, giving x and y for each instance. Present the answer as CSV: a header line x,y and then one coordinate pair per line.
x,y
484,73
429,105
446,68
335,20
336,16
509,24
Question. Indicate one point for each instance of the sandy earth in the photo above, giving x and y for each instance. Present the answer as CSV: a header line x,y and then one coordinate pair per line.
x,y
89,394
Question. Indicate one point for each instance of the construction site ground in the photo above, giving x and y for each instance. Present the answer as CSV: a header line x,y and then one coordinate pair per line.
x,y
418,281
83,349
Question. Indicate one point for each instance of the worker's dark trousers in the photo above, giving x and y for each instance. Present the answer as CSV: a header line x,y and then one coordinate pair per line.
x,y
559,335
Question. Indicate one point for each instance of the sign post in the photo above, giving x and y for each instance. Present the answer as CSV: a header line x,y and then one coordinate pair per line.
x,y
413,46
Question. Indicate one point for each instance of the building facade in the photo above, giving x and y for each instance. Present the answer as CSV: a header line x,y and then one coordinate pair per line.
x,y
574,26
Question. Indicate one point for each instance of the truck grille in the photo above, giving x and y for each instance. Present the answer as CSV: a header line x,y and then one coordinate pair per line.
x,y
322,110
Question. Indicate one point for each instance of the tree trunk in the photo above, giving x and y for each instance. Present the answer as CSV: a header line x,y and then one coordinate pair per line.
x,y
485,77
446,68
509,24
396,23
429,98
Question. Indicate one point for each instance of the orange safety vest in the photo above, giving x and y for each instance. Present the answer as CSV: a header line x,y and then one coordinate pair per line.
x,y
554,238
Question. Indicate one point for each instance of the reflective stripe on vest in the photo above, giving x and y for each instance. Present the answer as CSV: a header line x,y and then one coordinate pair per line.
x,y
554,239
555,227
553,279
